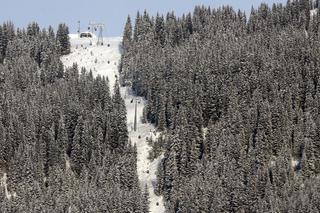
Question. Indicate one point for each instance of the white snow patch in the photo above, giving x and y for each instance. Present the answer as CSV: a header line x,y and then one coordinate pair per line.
x,y
205,132
67,163
294,163
313,12
104,60
272,163
3,183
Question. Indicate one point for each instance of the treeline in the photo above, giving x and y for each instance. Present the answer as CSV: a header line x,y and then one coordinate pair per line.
x,y
63,137
238,100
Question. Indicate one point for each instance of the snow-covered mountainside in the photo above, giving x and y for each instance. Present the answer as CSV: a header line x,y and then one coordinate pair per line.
x,y
103,60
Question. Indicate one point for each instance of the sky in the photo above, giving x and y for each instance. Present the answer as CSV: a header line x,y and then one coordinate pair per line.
x,y
112,13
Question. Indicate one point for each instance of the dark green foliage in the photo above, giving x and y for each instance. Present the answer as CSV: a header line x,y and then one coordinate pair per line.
x,y
157,147
63,39
159,30
238,101
127,35
7,34
119,132
146,202
63,138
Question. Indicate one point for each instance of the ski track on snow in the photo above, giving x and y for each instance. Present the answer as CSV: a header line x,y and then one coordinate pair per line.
x,y
103,60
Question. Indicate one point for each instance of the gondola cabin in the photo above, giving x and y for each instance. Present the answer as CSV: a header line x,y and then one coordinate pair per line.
x,y
86,35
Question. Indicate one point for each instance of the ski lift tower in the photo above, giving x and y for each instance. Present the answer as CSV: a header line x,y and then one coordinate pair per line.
x,y
135,116
78,29
94,26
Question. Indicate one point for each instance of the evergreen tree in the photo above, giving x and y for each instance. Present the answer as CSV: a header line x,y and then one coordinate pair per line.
x,y
55,131
159,30
146,202
127,35
235,97
63,39
119,132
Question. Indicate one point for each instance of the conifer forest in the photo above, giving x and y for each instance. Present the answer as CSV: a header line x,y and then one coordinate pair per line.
x,y
232,101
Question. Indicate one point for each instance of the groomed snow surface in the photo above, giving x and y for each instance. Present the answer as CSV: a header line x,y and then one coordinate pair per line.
x,y
104,60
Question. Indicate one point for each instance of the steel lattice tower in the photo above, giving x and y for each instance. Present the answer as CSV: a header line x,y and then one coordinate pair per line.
x,y
94,26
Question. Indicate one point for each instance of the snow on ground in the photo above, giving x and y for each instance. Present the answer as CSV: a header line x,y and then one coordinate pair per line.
x,y
101,60
294,163
146,169
104,60
3,183
313,12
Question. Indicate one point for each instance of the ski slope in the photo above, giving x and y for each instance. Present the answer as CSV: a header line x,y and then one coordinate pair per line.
x,y
104,60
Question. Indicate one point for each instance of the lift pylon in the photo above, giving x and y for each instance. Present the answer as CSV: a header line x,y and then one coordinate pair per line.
x,y
94,26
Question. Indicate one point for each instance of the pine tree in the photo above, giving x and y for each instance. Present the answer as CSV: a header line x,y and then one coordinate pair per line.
x,y
162,124
63,39
137,27
127,35
119,134
55,137
159,30
51,34
33,29
188,25
77,152
4,157
146,202
2,47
